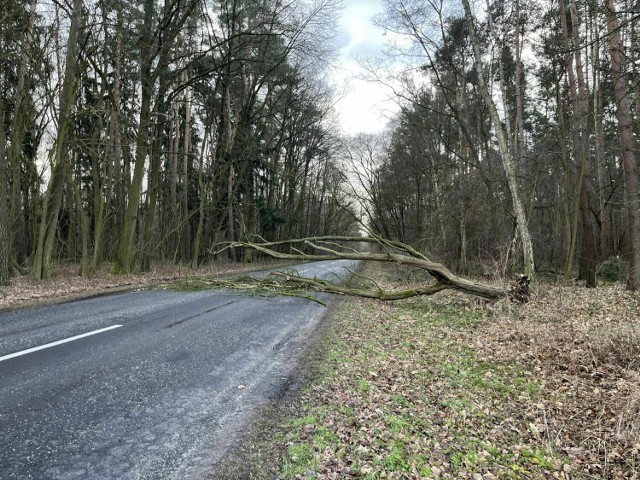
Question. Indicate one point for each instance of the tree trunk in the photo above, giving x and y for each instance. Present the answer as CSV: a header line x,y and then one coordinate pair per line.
x,y
518,140
154,186
505,151
588,251
186,235
623,113
154,174
580,205
231,237
202,189
573,203
568,209
606,239
17,223
83,222
173,177
124,259
5,250
462,234
112,189
53,197
119,153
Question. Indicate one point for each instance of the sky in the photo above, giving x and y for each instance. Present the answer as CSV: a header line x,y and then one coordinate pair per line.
x,y
364,105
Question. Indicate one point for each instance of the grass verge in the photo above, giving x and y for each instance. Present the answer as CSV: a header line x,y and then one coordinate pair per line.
x,y
401,396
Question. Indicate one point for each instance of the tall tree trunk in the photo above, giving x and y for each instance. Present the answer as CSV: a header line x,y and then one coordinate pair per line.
x,y
83,224
203,190
462,235
580,204
186,235
124,259
119,152
588,251
623,113
505,152
112,185
570,226
231,237
156,156
53,198
102,195
100,176
17,223
606,239
518,140
5,250
173,177
572,203
154,185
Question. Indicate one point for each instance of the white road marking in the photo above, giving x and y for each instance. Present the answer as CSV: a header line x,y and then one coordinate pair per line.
x,y
59,342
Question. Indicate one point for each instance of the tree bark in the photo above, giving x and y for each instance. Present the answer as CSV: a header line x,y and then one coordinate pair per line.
x,y
203,190
579,207
83,224
588,250
462,234
173,177
5,250
118,153
186,234
154,185
518,140
230,214
156,155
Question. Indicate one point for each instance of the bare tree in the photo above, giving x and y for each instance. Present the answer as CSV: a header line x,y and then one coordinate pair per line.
x,y
508,161
168,29
52,203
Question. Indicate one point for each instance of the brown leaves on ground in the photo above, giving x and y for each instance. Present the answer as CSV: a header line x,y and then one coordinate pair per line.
x,y
584,347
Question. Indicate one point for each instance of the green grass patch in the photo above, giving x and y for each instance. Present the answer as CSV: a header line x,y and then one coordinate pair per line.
x,y
400,392
464,371
297,460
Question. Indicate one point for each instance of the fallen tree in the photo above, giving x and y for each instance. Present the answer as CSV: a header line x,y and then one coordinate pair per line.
x,y
337,248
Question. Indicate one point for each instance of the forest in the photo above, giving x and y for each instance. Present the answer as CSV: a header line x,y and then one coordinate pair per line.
x,y
135,133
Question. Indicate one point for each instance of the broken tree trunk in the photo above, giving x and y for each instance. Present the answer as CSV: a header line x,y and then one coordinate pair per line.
x,y
395,252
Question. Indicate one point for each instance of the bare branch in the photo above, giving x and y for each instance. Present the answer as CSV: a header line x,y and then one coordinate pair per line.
x,y
444,277
327,287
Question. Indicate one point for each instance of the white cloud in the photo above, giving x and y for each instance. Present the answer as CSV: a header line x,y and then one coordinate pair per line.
x,y
363,107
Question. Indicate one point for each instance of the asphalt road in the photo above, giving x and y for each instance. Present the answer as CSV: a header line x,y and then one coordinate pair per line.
x,y
143,385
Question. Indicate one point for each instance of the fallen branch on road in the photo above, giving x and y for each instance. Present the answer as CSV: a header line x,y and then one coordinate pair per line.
x,y
334,248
